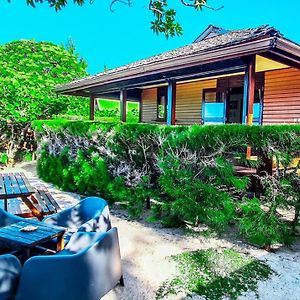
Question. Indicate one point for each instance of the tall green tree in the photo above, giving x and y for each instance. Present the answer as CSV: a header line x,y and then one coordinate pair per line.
x,y
29,71
164,16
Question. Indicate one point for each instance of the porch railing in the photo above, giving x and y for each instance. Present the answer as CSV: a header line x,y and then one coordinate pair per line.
x,y
257,113
215,113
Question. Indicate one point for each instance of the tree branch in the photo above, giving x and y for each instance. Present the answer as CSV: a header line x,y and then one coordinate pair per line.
x,y
201,4
113,2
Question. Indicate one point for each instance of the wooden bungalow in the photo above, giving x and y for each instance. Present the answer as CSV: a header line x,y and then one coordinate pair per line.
x,y
225,76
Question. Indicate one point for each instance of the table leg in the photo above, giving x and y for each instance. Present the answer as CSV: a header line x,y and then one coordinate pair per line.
x,y
27,251
5,204
60,243
32,207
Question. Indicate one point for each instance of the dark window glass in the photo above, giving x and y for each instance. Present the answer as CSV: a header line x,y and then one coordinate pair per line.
x,y
214,95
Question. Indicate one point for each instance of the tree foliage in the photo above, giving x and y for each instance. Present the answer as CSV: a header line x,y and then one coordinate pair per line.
x,y
29,71
164,16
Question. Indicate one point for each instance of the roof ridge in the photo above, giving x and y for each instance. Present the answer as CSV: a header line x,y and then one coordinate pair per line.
x,y
255,29
210,29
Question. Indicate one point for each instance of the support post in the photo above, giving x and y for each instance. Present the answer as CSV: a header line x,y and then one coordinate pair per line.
x,y
249,90
123,105
92,108
171,108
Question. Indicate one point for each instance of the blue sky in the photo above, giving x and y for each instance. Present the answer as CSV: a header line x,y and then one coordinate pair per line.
x,y
113,39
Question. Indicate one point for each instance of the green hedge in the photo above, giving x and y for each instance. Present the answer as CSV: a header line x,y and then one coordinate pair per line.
x,y
272,138
188,170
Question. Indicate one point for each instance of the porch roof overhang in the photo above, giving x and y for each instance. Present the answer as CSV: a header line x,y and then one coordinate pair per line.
x,y
213,62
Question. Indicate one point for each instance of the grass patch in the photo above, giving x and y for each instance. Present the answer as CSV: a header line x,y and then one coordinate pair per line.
x,y
109,111
215,274
114,107
115,104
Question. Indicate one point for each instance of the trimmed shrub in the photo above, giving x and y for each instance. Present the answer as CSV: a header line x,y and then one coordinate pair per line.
x,y
188,170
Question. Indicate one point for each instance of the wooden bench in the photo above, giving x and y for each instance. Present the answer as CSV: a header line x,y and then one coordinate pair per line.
x,y
44,199
16,186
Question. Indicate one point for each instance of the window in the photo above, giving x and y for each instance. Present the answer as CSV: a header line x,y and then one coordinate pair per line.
x,y
162,99
214,95
258,95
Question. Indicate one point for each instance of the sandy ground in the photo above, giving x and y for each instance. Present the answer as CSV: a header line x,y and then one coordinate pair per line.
x,y
145,250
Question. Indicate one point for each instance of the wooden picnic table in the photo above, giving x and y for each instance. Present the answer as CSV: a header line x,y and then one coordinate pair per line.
x,y
13,237
16,185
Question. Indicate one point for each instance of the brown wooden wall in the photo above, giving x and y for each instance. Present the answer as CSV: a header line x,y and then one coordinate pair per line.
x,y
149,108
282,96
281,99
189,100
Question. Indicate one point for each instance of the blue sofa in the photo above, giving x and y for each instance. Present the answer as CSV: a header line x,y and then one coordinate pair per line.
x,y
10,269
89,215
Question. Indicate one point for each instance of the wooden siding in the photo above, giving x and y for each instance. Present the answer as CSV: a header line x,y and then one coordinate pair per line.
x,y
282,97
189,100
149,105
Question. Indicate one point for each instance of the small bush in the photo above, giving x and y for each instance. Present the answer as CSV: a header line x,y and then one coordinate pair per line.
x,y
261,227
85,175
196,202
133,197
198,192
260,220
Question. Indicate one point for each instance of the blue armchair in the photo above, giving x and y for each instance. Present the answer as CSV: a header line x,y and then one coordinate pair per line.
x,y
88,268
10,269
7,218
89,215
